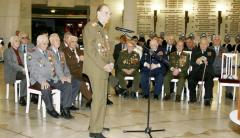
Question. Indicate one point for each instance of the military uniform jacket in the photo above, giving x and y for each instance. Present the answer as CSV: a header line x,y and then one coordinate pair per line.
x,y
179,61
158,57
97,50
42,67
11,66
237,47
128,60
61,63
75,67
198,69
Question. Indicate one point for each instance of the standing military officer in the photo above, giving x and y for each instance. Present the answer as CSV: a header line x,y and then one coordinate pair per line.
x,y
44,74
178,64
128,64
98,63
201,57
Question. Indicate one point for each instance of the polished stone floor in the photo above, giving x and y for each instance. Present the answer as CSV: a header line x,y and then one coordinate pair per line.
x,y
181,120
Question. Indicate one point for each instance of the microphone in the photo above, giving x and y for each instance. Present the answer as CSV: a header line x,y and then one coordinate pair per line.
x,y
124,30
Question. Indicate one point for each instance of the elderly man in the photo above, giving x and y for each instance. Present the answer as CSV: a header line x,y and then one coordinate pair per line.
x,y
74,58
170,46
25,43
66,39
178,64
64,73
153,64
128,64
98,63
202,66
14,68
45,74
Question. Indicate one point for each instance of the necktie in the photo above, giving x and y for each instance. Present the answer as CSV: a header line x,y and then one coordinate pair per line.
x,y
45,54
57,53
24,49
169,49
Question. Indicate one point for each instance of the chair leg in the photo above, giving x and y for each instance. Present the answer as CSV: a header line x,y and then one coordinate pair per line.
x,y
137,94
203,91
234,93
80,98
220,94
162,95
28,102
57,100
182,95
7,90
19,90
16,92
39,101
43,109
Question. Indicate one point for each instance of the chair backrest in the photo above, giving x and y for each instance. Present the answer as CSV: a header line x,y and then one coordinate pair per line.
x,y
26,69
189,53
229,66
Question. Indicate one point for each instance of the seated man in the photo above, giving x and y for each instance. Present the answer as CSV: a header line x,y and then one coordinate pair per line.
x,y
74,60
25,42
13,67
202,66
154,66
44,74
178,64
64,73
128,65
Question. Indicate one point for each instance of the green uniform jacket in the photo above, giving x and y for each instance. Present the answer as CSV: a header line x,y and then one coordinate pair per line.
x,y
97,50
181,62
128,61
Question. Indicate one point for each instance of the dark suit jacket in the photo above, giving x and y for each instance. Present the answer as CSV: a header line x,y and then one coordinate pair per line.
x,y
116,53
74,66
198,69
173,49
11,66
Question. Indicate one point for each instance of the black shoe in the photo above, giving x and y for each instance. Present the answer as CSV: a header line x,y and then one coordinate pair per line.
x,y
146,96
167,97
207,102
88,104
22,101
178,98
229,95
193,100
74,108
34,99
65,113
133,94
53,113
96,135
118,90
106,129
109,102
156,97
125,93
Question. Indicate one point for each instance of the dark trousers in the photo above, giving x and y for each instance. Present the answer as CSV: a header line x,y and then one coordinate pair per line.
x,y
65,89
208,84
23,84
80,84
146,85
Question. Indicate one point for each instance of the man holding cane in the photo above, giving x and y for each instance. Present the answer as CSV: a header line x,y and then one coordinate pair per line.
x,y
98,63
202,63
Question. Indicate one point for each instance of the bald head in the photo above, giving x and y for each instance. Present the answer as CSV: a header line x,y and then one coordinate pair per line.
x,y
204,43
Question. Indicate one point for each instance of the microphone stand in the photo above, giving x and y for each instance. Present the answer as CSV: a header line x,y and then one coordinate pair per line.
x,y
148,130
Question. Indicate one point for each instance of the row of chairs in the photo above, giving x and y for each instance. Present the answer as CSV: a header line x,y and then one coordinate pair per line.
x,y
56,94
228,68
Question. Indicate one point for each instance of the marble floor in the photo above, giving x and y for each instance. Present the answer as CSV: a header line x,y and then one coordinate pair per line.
x,y
181,120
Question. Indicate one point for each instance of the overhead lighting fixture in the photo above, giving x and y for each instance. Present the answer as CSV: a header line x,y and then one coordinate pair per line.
x,y
53,11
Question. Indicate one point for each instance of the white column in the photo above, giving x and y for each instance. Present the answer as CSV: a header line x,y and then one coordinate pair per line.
x,y
130,15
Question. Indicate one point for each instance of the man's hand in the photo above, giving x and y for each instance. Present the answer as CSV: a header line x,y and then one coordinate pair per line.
x,y
146,65
153,66
45,85
204,59
63,79
81,58
175,72
199,61
108,67
68,79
